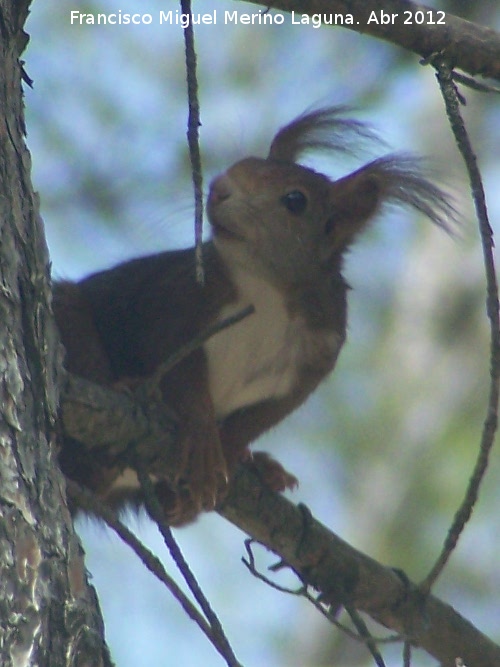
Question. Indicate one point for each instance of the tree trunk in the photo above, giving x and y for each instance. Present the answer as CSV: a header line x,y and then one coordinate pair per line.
x,y
48,613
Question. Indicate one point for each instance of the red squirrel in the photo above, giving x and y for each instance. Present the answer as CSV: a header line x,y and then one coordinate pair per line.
x,y
279,234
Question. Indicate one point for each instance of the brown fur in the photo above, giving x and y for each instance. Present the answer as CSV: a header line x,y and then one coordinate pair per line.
x,y
267,250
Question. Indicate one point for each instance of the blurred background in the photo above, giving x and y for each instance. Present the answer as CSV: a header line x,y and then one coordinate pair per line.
x,y
385,448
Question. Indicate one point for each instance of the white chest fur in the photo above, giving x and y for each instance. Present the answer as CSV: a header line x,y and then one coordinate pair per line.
x,y
259,358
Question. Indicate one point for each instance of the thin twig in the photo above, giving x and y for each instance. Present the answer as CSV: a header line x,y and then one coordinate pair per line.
x,y
88,501
472,83
302,591
193,137
251,567
463,514
407,654
185,350
365,635
156,512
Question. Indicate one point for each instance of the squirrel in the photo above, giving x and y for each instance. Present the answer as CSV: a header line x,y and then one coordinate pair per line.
x,y
280,231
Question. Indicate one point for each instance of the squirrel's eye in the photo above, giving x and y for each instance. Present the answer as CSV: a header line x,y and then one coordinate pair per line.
x,y
294,201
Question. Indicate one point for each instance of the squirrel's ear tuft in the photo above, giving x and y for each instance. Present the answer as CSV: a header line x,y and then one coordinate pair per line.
x,y
394,179
320,130
403,182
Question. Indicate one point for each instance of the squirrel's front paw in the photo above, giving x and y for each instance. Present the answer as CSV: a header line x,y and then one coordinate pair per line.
x,y
271,473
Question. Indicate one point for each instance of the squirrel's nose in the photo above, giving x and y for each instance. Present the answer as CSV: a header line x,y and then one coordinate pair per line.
x,y
220,189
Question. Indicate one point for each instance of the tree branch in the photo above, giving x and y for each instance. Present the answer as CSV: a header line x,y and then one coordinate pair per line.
x,y
90,503
155,510
452,103
194,123
342,575
468,46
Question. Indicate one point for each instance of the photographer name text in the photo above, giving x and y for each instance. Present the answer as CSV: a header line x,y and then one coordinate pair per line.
x,y
380,17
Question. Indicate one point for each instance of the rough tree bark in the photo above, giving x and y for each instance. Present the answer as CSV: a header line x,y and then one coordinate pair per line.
x,y
48,613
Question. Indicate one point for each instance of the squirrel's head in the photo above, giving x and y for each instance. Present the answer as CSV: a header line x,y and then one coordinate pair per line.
x,y
291,222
